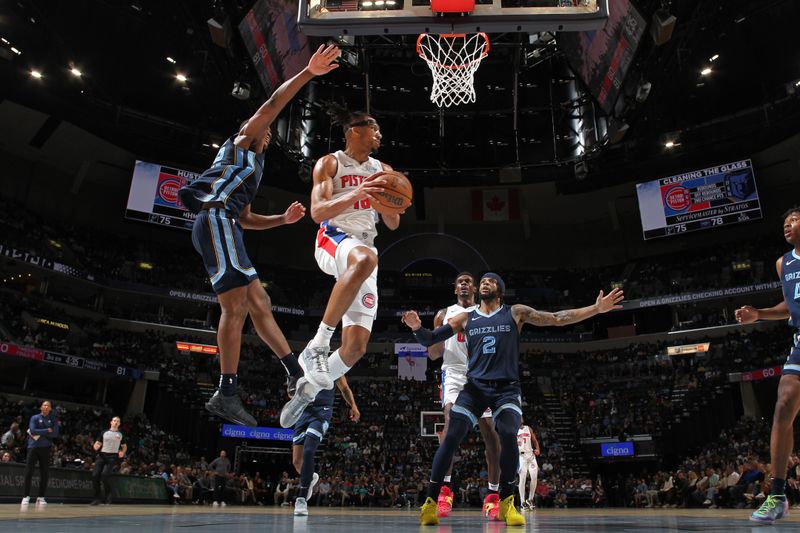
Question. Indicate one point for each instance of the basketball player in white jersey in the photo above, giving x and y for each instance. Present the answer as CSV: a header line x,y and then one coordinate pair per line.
x,y
528,450
341,202
453,352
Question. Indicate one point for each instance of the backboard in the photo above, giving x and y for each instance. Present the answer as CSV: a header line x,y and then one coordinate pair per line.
x,y
333,18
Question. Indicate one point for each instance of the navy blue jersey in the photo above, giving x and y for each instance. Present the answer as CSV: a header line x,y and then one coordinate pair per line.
x,y
325,398
493,345
790,279
232,179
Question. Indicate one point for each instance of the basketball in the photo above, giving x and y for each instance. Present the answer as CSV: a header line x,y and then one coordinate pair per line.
x,y
396,195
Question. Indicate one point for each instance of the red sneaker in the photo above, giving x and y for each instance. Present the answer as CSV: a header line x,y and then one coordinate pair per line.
x,y
491,506
445,502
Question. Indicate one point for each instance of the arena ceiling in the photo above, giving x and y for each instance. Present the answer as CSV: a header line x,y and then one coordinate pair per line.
x,y
127,90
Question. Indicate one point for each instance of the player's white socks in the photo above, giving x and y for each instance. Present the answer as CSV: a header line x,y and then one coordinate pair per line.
x,y
337,366
323,336
447,479
494,486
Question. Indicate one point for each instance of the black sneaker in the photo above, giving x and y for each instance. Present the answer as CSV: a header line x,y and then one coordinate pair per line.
x,y
230,408
95,502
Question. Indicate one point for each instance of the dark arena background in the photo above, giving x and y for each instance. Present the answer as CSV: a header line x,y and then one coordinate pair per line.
x,y
646,145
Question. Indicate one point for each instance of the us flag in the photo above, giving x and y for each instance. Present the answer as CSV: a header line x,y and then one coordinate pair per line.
x,y
341,5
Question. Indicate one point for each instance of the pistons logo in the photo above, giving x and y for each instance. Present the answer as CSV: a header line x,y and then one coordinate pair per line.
x,y
678,198
368,300
168,190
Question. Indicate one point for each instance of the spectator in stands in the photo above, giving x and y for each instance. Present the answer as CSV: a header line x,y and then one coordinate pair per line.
x,y
282,490
221,466
6,458
323,492
11,436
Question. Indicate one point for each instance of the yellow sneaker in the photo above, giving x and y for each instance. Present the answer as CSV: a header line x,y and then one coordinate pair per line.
x,y
509,513
428,513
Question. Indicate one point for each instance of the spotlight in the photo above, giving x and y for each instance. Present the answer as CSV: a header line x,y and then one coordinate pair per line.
x,y
171,60
671,144
36,74
16,50
214,145
180,77
76,72
714,58
706,71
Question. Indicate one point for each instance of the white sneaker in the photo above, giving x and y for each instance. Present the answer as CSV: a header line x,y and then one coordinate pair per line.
x,y
224,504
315,362
300,507
707,502
26,500
314,481
40,501
216,504
292,409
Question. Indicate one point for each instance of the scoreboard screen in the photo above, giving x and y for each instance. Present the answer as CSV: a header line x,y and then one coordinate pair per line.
x,y
153,195
701,199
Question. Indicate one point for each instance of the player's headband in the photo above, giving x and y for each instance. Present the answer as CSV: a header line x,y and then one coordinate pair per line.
x,y
365,122
497,279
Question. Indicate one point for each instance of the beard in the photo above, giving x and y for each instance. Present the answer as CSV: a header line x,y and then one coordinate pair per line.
x,y
489,296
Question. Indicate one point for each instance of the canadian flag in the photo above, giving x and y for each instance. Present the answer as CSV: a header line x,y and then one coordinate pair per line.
x,y
495,205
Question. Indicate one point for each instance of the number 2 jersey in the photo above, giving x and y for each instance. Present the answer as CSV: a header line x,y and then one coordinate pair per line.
x,y
359,219
493,345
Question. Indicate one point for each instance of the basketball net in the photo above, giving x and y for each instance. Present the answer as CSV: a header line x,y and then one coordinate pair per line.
x,y
453,59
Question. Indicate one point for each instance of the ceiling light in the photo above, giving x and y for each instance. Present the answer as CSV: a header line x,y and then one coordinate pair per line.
x,y
214,145
5,41
180,77
16,51
797,83
714,58
171,60
671,144
706,71
36,74
739,20
75,72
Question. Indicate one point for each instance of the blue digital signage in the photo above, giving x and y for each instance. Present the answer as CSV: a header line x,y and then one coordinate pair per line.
x,y
616,449
260,433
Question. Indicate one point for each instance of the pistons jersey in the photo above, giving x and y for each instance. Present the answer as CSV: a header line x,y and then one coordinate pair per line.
x,y
790,280
359,219
493,345
454,359
524,440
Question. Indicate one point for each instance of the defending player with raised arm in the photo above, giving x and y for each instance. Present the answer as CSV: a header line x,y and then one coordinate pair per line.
x,y
221,198
492,335
341,202
781,443
454,377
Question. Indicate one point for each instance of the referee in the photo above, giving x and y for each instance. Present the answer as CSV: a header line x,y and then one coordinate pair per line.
x,y
112,446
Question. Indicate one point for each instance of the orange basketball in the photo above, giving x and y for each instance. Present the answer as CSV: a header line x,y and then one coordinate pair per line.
x,y
396,195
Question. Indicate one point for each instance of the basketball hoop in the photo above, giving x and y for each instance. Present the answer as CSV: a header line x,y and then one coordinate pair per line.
x,y
453,59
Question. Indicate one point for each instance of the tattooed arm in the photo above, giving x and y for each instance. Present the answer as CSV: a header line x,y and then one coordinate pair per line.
x,y
527,315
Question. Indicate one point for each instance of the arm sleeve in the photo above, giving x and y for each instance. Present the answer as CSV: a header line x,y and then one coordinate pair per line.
x,y
32,427
427,337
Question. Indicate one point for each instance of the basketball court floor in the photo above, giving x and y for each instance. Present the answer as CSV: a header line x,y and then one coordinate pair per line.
x,y
140,518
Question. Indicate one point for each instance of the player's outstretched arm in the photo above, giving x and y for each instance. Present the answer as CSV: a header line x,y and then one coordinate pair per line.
x,y
250,220
323,206
605,302
427,337
437,350
347,394
320,63
748,314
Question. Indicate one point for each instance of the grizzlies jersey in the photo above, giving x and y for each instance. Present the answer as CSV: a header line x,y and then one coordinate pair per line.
x,y
232,180
358,219
493,345
454,358
790,279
